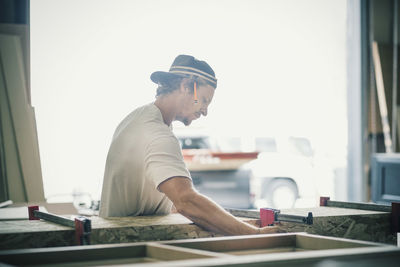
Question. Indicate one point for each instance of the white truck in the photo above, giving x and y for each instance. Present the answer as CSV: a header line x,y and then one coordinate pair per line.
x,y
254,172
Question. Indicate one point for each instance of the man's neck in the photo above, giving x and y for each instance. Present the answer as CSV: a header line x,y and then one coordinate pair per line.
x,y
167,106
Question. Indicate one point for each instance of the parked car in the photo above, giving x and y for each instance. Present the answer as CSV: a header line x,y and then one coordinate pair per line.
x,y
275,172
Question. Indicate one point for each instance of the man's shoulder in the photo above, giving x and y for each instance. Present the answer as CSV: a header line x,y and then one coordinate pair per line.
x,y
134,121
142,114
148,110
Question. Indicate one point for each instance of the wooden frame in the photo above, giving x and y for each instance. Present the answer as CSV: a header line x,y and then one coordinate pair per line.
x,y
271,243
103,254
206,250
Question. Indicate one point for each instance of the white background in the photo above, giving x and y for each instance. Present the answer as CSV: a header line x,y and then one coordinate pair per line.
x,y
280,67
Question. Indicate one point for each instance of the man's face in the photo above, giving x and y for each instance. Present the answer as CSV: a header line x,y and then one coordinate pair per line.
x,y
190,110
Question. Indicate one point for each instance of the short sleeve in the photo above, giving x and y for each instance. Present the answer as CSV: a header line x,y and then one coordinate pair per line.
x,y
164,160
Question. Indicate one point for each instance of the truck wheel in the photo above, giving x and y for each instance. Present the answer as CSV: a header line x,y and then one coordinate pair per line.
x,y
281,194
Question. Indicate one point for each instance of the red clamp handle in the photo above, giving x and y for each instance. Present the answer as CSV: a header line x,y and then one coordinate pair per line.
x,y
267,216
323,201
31,213
83,228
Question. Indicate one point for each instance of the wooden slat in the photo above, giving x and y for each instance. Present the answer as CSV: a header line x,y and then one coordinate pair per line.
x,y
168,253
265,251
22,119
96,254
14,189
72,254
381,97
227,244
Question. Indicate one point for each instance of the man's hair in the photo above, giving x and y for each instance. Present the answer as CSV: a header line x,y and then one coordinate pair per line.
x,y
169,85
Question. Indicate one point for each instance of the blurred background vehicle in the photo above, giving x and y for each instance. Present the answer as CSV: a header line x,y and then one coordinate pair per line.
x,y
219,174
253,172
288,173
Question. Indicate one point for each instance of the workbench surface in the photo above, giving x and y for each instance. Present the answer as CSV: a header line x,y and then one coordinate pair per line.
x,y
358,224
329,221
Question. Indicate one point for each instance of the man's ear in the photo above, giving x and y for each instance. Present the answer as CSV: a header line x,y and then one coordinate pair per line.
x,y
184,88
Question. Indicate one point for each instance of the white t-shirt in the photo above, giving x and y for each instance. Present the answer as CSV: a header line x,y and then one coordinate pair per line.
x,y
144,152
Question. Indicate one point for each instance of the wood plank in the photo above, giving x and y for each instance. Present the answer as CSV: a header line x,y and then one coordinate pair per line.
x,y
167,253
265,251
236,243
103,254
22,119
10,162
381,97
23,32
105,262
72,254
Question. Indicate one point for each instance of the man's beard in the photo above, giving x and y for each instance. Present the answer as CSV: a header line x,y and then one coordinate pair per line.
x,y
186,122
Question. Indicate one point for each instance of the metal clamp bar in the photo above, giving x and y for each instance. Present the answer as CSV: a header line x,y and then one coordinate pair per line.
x,y
54,218
325,201
82,225
294,218
35,214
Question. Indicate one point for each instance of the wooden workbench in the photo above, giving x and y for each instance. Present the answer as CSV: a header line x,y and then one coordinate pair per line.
x,y
29,234
328,221
346,223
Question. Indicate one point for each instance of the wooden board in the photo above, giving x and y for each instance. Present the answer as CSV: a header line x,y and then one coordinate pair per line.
x,y
102,254
381,97
21,150
186,251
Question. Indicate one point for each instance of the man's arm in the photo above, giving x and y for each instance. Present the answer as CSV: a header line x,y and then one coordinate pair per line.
x,y
203,211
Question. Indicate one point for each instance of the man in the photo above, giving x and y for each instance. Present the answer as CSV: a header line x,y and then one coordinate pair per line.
x,y
145,173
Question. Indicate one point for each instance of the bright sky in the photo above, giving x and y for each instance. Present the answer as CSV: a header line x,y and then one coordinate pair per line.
x,y
280,67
